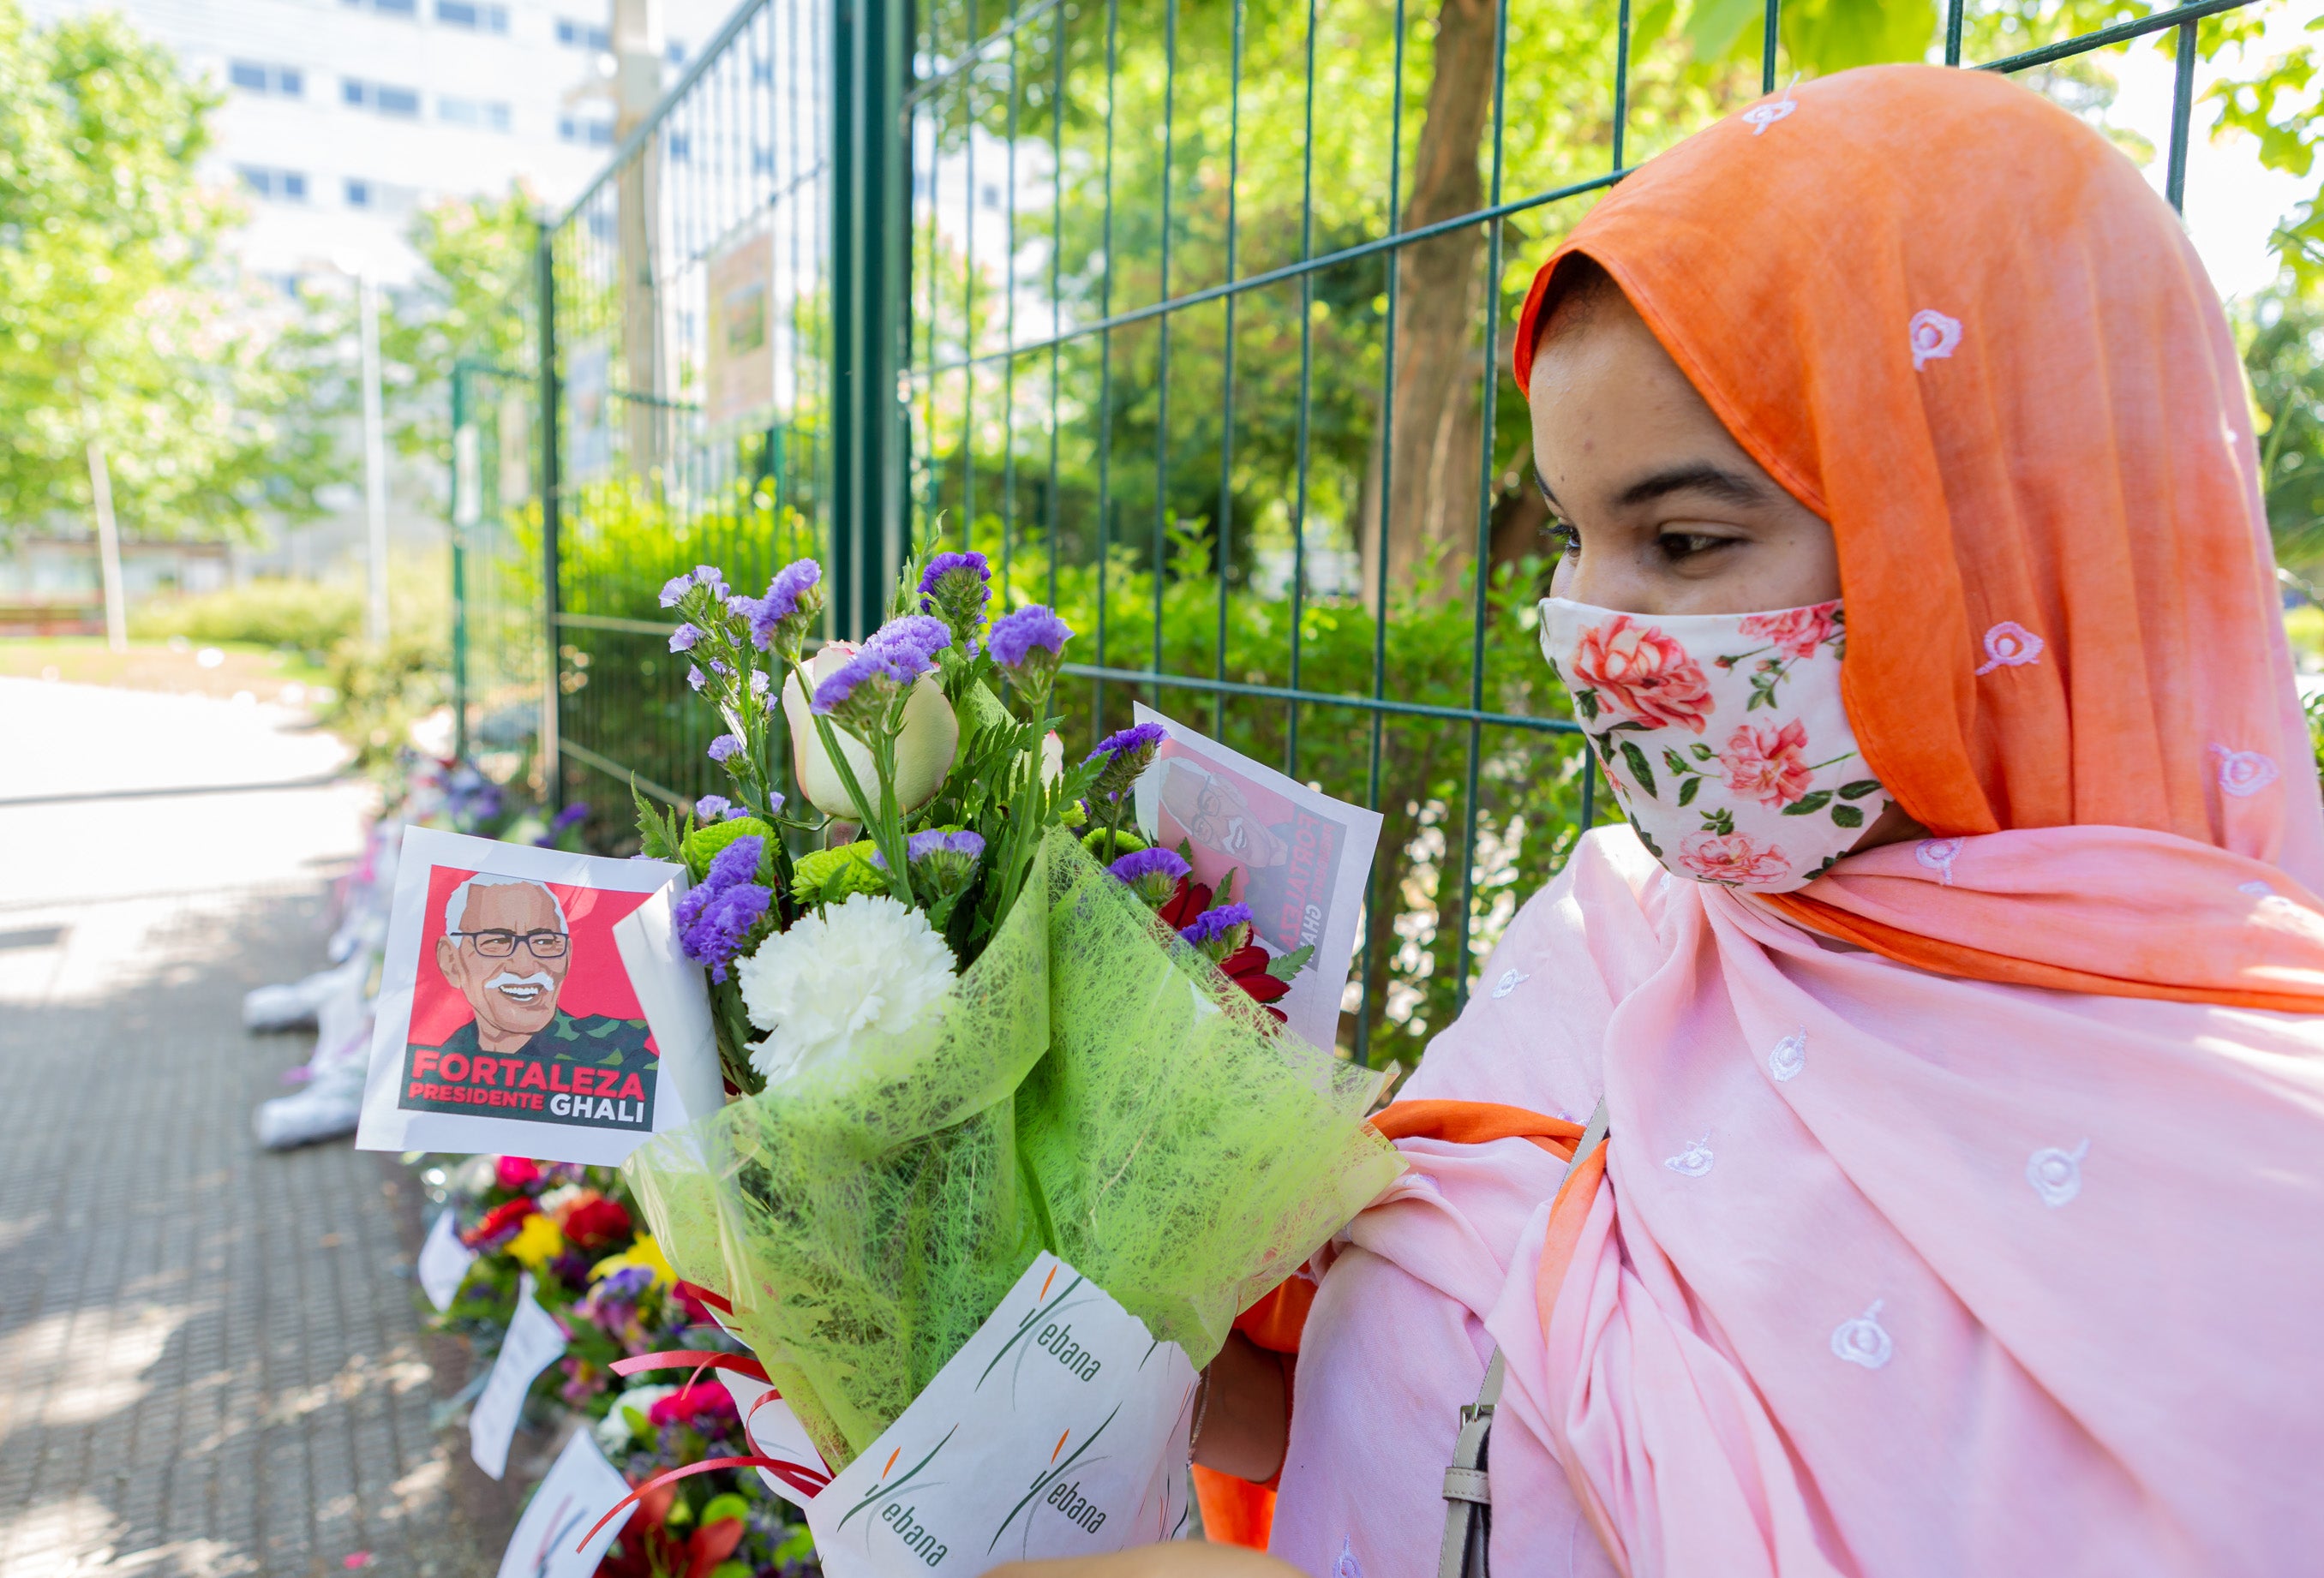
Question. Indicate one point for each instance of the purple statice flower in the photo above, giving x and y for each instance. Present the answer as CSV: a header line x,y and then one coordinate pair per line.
x,y
676,587
713,808
869,681
695,676
778,620
711,577
683,639
861,672
1128,753
1029,643
624,1285
920,633
759,686
1214,928
738,862
959,587
713,932
936,841
1153,874
725,746
972,563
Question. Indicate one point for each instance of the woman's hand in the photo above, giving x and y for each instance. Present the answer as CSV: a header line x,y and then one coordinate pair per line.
x,y
1245,1413
1180,1559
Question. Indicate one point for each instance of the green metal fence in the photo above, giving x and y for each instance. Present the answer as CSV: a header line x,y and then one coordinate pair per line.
x,y
1190,314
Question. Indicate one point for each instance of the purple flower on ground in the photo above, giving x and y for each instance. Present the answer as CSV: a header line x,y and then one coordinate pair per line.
x,y
576,811
1153,874
683,639
725,746
713,808
1212,926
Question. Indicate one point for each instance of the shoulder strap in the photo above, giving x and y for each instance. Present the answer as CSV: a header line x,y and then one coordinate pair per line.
x,y
1468,1493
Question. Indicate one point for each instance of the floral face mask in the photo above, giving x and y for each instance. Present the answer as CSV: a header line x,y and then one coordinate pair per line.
x,y
1723,736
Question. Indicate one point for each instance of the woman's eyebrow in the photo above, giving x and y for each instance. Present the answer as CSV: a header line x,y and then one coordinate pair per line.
x,y
1698,477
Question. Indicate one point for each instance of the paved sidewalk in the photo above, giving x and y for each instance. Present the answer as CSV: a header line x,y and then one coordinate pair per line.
x,y
210,1362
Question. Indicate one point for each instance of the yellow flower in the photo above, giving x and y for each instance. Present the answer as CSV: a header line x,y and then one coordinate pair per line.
x,y
642,1252
536,1242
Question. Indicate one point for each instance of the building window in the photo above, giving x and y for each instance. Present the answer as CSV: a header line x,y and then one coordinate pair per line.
x,y
386,8
382,198
582,35
680,146
256,76
674,52
594,133
403,103
276,186
469,112
467,13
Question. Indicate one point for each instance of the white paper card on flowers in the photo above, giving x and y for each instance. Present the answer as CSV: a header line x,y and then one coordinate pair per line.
x,y
512,1014
581,1487
533,1342
444,1261
1299,859
775,1434
1059,1429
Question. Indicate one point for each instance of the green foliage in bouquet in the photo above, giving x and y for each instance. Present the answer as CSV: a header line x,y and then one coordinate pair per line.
x,y
1091,1085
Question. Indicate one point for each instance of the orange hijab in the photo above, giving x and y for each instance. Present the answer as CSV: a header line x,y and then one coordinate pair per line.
x,y
2007,385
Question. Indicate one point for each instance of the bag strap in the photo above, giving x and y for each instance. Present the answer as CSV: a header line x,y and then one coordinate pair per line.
x,y
1468,1492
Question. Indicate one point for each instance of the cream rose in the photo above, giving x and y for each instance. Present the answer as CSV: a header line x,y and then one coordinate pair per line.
x,y
924,750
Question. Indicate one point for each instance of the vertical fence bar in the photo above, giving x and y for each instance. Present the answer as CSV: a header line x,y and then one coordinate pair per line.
x,y
867,296
1222,556
1768,49
1953,9
464,506
2182,109
552,764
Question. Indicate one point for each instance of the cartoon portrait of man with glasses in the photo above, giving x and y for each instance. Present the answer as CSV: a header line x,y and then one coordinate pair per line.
x,y
507,949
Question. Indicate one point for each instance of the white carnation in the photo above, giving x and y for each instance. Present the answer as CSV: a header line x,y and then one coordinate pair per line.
x,y
867,966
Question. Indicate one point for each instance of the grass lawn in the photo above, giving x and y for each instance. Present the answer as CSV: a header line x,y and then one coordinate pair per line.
x,y
176,665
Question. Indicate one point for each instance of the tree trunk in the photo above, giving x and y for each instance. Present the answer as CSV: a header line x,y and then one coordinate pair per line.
x,y
1432,492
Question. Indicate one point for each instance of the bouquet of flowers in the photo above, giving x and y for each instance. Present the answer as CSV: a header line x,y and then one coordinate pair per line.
x,y
957,1040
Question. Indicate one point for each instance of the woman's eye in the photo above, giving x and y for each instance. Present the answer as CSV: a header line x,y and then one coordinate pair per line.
x,y
1563,540
1686,544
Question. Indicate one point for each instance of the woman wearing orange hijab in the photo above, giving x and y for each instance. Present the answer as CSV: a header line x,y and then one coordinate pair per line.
x,y
1950,998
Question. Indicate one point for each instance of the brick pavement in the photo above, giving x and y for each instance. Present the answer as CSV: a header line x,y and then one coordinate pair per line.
x,y
210,1358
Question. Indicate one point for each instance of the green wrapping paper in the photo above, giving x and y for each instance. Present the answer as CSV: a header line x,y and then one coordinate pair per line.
x,y
1091,1085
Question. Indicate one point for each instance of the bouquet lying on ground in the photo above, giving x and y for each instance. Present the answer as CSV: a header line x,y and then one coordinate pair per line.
x,y
954,1038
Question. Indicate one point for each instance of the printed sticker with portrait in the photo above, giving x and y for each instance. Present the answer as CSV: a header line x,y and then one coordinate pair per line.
x,y
1298,858
519,1005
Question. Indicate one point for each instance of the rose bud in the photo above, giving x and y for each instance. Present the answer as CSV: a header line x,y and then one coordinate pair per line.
x,y
924,748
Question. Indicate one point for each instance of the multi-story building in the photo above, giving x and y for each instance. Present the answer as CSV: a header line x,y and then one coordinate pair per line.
x,y
342,116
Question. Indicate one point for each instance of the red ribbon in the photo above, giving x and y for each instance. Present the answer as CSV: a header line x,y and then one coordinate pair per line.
x,y
806,1480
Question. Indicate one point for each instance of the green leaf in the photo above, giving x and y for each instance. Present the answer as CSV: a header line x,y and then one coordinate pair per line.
x,y
1860,789
1722,820
1586,703
1686,790
1635,759
1716,26
1807,804
1290,964
1846,816
728,1505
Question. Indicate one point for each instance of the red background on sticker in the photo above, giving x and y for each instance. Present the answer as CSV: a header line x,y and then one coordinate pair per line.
x,y
596,983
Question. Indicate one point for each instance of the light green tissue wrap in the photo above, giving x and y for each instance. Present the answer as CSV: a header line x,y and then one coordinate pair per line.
x,y
1092,1084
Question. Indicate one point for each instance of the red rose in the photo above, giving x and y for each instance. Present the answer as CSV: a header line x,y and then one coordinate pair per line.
x,y
515,1172
592,1225
1643,674
1769,765
1795,632
501,1219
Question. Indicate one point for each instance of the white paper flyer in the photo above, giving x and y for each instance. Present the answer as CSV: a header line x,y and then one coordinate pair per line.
x,y
1059,1429
533,1342
581,1487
